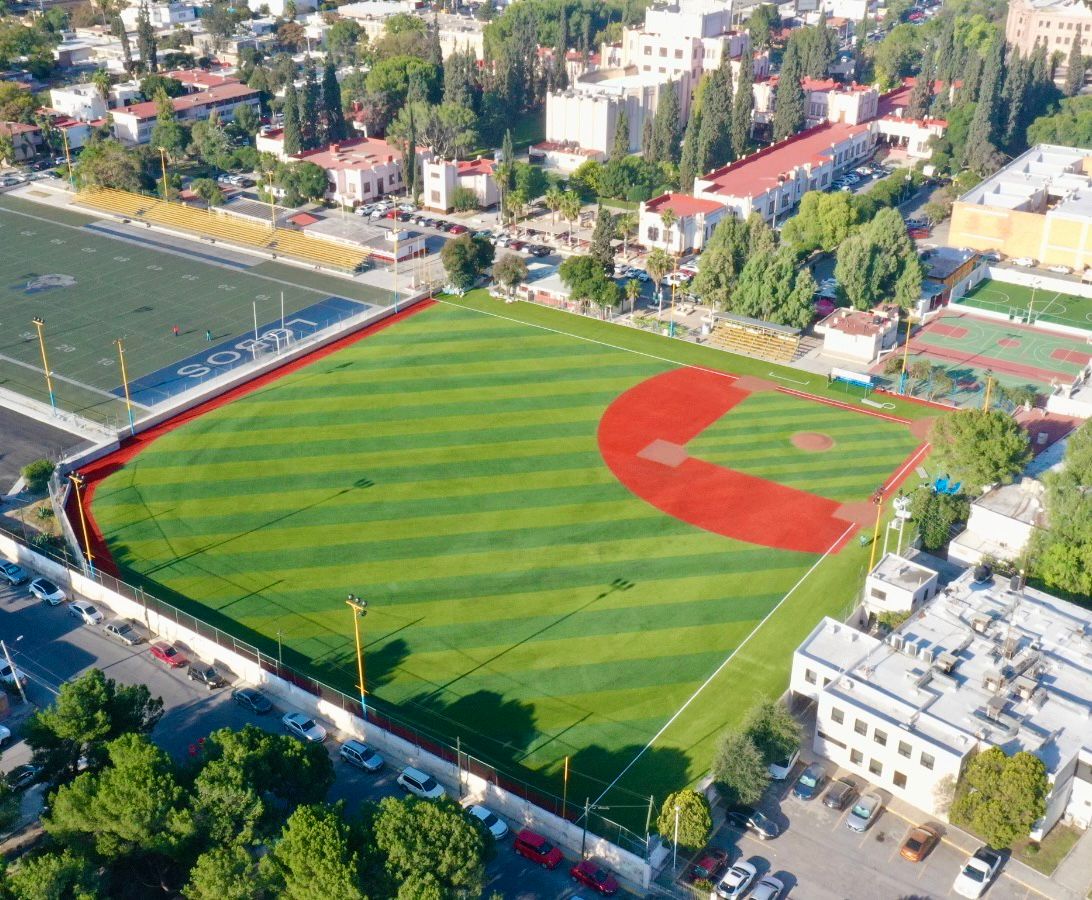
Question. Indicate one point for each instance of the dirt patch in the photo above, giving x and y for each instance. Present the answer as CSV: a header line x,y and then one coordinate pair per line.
x,y
1010,343
919,428
754,384
812,441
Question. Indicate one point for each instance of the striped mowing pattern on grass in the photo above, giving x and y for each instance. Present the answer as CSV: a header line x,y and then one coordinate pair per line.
x,y
755,438
448,470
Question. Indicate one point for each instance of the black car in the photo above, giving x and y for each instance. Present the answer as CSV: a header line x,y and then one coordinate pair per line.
x,y
749,819
445,226
539,250
22,777
405,217
839,794
206,675
255,701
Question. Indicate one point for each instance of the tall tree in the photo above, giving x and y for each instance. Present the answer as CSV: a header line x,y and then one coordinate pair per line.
x,y
666,129
118,29
315,857
879,262
146,42
921,94
999,796
1075,68
293,137
1013,97
333,118
722,260
309,109
774,288
559,75
690,158
743,108
789,115
715,135
1063,553
690,810
980,448
620,147
983,157
167,133
435,52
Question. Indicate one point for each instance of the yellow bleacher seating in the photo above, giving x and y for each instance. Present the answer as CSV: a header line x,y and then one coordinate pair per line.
x,y
233,230
755,341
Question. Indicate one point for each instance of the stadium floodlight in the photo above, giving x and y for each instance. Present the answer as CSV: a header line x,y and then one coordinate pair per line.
x,y
39,324
360,610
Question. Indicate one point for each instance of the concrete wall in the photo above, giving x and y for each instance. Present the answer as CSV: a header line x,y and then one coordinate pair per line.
x,y
1051,239
471,788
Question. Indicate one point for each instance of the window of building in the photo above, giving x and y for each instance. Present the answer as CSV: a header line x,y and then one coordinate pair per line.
x,y
653,233
856,757
648,51
898,779
393,180
875,767
678,54
927,761
663,51
809,676
830,740
878,594
880,737
434,196
904,749
860,726
836,715
826,681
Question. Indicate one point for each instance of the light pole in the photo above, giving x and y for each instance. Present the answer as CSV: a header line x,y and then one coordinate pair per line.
x,y
39,323
675,849
280,634
125,384
877,498
163,165
588,807
68,158
360,610
78,482
14,671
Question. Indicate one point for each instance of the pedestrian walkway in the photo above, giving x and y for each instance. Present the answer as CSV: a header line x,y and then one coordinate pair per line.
x,y
1075,872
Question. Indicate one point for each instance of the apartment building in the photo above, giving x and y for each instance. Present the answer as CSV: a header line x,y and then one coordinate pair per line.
x,y
1051,22
133,124
1038,206
83,102
160,15
442,177
984,663
826,100
1001,524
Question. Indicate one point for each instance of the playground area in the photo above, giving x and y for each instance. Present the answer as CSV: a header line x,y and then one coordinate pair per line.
x,y
183,313
968,347
1030,304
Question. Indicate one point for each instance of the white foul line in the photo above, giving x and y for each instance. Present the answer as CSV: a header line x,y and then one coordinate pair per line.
x,y
720,668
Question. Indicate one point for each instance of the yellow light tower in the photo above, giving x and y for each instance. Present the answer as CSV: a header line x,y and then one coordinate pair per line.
x,y
125,384
360,610
68,158
163,166
78,483
39,323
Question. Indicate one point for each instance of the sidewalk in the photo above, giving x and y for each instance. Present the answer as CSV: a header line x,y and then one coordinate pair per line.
x,y
1075,872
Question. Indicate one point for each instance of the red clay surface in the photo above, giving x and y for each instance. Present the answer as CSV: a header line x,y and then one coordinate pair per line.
x,y
956,332
1008,342
674,407
96,471
1079,357
812,442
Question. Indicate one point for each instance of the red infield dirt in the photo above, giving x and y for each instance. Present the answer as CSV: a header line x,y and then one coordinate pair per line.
x,y
640,438
812,442
96,471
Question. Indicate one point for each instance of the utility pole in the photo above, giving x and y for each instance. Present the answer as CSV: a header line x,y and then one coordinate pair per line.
x,y
14,671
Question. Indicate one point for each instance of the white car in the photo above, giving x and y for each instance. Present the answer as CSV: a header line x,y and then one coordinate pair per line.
x,y
781,769
734,883
495,825
769,888
5,734
306,729
1025,262
420,784
46,591
9,675
977,873
1061,270
85,612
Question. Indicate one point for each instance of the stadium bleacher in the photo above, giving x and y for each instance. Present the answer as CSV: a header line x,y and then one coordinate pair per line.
x,y
753,337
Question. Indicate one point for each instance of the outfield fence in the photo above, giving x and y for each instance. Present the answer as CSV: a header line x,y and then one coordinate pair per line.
x,y
63,562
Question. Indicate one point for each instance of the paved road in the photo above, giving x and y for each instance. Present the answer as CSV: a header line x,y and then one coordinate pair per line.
x,y
25,440
52,647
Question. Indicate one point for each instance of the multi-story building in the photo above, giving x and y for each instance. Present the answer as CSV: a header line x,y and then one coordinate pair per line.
x,y
1038,206
442,177
83,102
26,140
1051,22
826,100
133,124
986,663
160,15
1001,524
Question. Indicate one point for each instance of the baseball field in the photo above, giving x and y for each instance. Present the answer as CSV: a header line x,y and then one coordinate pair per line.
x,y
570,547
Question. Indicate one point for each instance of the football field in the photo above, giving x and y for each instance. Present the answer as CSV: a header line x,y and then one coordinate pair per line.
x,y
1046,305
526,597
184,312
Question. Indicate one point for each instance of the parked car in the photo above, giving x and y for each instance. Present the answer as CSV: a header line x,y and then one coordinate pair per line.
x,y
535,847
1025,262
782,769
977,873
864,812
420,784
920,233
303,727
810,782
359,754
516,245
205,674
10,675
13,574
407,207
540,250
839,794
458,229
1061,270
747,819
641,275
736,881
709,867
919,841
168,654
591,874
123,631
22,776
991,256
5,735
249,698
85,612
46,591
769,888
495,825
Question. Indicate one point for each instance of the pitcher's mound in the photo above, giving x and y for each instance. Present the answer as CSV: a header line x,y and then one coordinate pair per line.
x,y
812,441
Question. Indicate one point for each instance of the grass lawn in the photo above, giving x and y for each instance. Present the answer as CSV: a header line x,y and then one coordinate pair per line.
x,y
1051,850
522,599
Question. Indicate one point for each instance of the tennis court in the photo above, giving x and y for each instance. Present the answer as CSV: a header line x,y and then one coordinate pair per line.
x,y
1046,305
185,312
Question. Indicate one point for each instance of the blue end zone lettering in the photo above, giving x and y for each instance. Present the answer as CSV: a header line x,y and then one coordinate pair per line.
x,y
216,359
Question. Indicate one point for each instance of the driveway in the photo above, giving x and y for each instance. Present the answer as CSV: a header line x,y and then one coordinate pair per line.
x,y
25,440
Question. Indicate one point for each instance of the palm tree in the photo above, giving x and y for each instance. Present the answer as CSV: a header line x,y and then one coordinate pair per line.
x,y
626,224
658,265
668,218
633,291
554,196
570,210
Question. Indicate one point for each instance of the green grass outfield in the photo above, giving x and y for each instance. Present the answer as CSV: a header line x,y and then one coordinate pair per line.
x,y
129,291
1014,299
522,600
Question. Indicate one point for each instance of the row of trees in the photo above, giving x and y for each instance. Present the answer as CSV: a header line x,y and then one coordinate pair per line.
x,y
314,118
244,818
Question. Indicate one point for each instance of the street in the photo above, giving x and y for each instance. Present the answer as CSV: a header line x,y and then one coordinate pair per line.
x,y
52,647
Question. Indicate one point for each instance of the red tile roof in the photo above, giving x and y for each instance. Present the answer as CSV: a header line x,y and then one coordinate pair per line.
x,y
201,79
682,205
303,219
14,128
190,101
359,153
754,175
476,167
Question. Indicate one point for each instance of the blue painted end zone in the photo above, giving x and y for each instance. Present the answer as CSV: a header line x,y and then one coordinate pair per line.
x,y
225,355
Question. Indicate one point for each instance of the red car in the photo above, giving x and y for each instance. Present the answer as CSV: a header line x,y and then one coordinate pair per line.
x,y
537,849
458,229
391,214
169,654
919,233
710,867
592,875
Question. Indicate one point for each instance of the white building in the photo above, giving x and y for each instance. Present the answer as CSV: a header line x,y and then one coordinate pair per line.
x,y
83,102
898,585
696,219
859,335
1001,524
442,177
160,15
981,665
133,124
279,8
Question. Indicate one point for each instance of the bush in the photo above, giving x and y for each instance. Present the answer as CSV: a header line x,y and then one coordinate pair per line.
x,y
464,200
638,194
36,475
695,819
